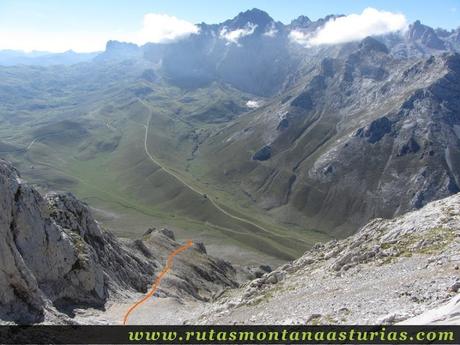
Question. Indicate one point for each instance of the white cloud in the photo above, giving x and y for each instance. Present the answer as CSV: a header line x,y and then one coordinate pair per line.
x,y
156,28
300,37
271,32
235,35
161,28
253,104
353,27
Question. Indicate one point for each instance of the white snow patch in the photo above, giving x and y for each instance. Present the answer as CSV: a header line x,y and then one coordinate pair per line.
x,y
252,104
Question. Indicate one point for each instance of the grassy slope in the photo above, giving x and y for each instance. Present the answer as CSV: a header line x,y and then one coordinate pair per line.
x,y
104,162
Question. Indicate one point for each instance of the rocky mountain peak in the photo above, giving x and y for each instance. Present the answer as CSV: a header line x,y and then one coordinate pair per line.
x,y
300,22
116,50
255,16
329,17
121,46
425,35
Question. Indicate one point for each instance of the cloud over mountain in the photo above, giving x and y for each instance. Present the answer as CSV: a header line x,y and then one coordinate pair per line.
x,y
235,35
162,28
353,27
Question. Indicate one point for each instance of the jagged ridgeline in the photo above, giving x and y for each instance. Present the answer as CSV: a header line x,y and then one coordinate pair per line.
x,y
260,143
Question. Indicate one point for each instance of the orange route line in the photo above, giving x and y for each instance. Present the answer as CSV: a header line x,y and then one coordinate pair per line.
x,y
157,282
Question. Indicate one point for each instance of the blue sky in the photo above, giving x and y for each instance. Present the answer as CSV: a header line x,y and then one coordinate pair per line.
x,y
120,16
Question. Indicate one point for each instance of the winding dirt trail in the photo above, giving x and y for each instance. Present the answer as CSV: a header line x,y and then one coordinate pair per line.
x,y
156,284
192,188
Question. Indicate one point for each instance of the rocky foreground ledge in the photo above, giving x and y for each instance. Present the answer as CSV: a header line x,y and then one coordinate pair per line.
x,y
401,270
54,257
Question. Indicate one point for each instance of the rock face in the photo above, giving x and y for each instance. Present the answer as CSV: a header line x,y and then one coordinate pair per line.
x,y
54,256
388,272
425,36
115,50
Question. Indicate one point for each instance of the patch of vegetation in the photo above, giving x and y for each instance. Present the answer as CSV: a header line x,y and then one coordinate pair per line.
x,y
427,242
265,297
438,239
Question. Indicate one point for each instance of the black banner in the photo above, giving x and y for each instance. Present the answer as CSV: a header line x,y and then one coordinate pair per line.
x,y
230,334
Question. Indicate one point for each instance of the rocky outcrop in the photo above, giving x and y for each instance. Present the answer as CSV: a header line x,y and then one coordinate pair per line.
x,y
55,257
118,51
425,36
446,314
121,267
421,40
263,154
371,44
301,22
375,130
391,270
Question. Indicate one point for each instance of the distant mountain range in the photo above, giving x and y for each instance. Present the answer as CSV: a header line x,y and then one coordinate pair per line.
x,y
15,57
419,40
